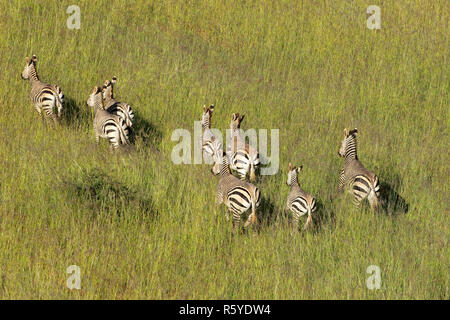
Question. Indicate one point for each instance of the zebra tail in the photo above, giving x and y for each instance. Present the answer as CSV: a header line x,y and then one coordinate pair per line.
x,y
373,199
252,172
308,220
123,137
254,219
59,101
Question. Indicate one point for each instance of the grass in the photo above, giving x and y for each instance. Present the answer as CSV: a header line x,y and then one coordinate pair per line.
x,y
141,227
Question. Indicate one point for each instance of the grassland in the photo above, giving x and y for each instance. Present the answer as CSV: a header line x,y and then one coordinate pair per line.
x,y
141,227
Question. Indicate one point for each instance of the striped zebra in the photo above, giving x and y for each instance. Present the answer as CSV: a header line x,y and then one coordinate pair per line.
x,y
210,144
298,201
236,194
45,97
106,125
244,159
361,182
121,109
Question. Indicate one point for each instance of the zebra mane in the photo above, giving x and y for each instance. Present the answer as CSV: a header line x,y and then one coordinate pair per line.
x,y
350,146
225,165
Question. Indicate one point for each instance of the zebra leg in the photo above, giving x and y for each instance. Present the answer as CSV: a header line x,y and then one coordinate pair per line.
x,y
227,215
295,219
356,200
39,111
55,119
236,221
249,220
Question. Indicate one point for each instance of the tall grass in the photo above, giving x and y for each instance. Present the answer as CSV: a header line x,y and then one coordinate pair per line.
x,y
141,227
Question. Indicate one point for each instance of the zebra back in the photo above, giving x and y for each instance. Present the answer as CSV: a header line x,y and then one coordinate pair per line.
x,y
244,159
298,201
362,182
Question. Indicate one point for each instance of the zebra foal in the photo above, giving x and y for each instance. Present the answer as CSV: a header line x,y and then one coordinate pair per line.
x,y
106,125
237,195
244,159
361,182
113,106
46,98
298,201
210,144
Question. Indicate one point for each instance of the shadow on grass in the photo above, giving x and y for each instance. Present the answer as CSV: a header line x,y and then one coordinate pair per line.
x,y
324,216
98,191
266,212
392,202
145,131
75,116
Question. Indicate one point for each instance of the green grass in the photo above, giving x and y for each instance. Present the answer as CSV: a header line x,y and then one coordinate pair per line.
x,y
141,227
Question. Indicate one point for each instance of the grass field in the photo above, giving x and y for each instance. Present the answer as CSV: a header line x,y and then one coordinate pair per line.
x,y
139,226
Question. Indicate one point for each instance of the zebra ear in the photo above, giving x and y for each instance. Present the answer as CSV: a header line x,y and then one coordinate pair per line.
x,y
27,60
211,108
345,132
34,58
242,118
114,80
204,108
290,166
300,168
354,132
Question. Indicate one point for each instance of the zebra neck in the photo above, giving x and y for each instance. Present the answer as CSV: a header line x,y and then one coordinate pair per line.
x,y
98,106
350,150
33,75
109,101
206,124
225,169
295,185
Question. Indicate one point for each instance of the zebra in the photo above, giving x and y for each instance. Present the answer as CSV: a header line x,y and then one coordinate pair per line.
x,y
236,194
243,157
298,201
106,125
210,144
45,97
121,109
361,182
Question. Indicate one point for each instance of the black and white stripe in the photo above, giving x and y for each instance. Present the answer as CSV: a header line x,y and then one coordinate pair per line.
x,y
361,182
47,99
244,159
299,202
211,145
239,196
121,109
107,125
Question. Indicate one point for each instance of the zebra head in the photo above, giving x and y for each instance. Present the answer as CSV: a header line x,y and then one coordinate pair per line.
x,y
30,68
293,174
348,143
236,121
206,116
107,91
95,98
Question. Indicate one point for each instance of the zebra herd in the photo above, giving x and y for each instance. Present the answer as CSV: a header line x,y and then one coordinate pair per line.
x,y
239,195
113,120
